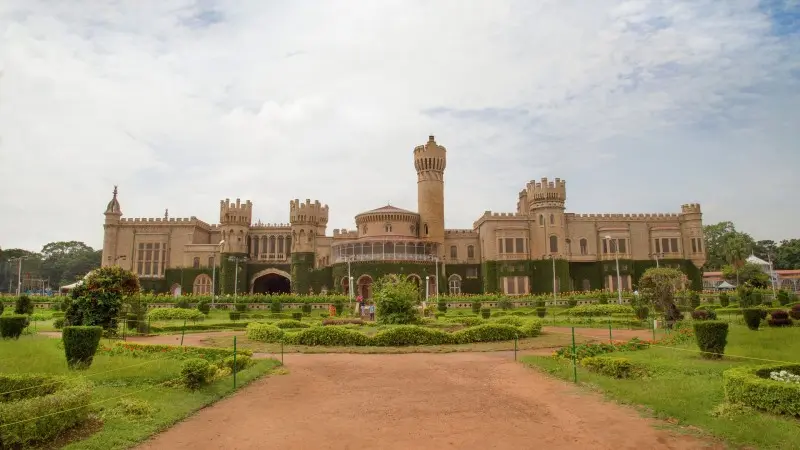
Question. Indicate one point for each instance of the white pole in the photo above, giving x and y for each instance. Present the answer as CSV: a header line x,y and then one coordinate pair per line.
x,y
349,283
772,277
554,278
437,279
19,274
656,255
214,274
427,287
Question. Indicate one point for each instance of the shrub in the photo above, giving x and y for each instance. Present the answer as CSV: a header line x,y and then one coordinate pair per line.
x,y
752,317
275,306
58,323
2,307
204,306
486,313
411,335
441,305
338,306
572,302
489,332
343,321
795,312
712,337
613,366
694,300
704,314
306,308
330,336
80,345
779,318
724,300
240,307
476,307
134,350
264,332
175,314
642,312
234,315
505,304
290,323
196,372
298,316
23,305
783,297
602,298
510,320
599,310
182,303
11,326
396,301
469,321
541,312
750,386
242,362
33,414
531,328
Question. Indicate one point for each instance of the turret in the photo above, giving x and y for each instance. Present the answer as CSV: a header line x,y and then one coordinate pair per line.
x,y
110,230
546,207
308,220
430,161
692,232
234,220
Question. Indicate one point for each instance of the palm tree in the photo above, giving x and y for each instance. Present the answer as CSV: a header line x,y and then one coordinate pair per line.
x,y
736,249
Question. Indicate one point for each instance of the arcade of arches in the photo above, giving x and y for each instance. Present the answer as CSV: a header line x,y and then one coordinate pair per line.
x,y
271,283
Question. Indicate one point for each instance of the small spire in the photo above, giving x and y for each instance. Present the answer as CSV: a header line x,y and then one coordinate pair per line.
x,y
113,206
115,192
166,213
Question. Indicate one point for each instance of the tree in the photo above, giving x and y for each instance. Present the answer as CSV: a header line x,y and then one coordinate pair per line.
x,y
723,242
397,301
99,299
67,261
736,248
748,273
787,255
765,249
9,267
658,286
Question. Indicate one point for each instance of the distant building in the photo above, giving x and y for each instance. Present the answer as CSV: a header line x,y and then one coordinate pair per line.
x,y
526,251
783,279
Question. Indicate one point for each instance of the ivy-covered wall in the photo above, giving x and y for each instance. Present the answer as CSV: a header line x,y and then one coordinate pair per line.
x,y
228,277
693,273
320,279
468,285
586,271
539,273
302,266
489,277
184,276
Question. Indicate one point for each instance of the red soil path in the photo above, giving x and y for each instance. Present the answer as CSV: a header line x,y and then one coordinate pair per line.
x,y
415,401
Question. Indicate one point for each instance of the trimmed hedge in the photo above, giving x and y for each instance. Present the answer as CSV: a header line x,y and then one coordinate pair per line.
x,y
468,321
197,372
510,320
343,321
290,323
599,310
712,337
489,332
80,345
199,327
11,326
404,335
751,386
613,366
531,328
264,332
328,336
51,394
170,351
175,314
752,317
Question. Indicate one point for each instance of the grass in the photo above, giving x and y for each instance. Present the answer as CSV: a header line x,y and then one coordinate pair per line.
x,y
683,387
120,422
544,341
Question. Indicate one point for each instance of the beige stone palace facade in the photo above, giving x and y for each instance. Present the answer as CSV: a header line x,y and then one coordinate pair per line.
x,y
533,249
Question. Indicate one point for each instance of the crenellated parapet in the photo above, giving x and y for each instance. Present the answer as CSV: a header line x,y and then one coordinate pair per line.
x,y
430,160
491,216
691,208
344,233
655,217
172,221
235,213
458,233
546,193
308,213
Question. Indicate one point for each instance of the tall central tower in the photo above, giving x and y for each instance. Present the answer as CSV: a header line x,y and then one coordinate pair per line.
x,y
430,161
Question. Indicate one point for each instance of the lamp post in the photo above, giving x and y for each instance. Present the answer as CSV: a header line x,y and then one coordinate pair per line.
x,y
237,260
772,277
553,258
436,259
19,272
619,278
656,255
349,282
214,274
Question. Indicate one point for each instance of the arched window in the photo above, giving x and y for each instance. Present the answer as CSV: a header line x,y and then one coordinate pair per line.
x,y
196,263
470,251
453,252
387,228
541,220
553,244
210,261
584,246
552,219
202,284
426,229
454,283
311,236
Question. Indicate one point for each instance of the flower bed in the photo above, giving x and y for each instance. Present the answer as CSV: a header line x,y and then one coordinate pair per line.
x,y
28,403
168,351
752,386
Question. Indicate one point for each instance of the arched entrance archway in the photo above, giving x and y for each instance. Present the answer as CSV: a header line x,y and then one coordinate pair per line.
x,y
364,286
271,281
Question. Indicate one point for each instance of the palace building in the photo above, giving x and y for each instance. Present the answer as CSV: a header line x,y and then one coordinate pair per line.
x,y
538,248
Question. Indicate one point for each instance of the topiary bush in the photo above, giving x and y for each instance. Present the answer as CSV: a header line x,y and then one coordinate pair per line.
x,y
23,305
572,302
182,303
712,337
469,321
204,306
197,372
486,313
35,409
476,307
80,345
783,297
58,323
779,318
234,315
2,307
541,312
275,306
794,313
11,326
290,323
602,298
694,300
752,317
306,308
751,386
489,332
342,321
441,305
531,328
404,335
298,316
613,366
242,362
264,332
175,314
330,336
724,300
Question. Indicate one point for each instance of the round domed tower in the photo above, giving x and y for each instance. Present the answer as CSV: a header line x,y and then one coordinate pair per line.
x,y
430,161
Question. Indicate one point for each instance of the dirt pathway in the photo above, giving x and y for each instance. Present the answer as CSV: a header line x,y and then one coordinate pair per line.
x,y
414,401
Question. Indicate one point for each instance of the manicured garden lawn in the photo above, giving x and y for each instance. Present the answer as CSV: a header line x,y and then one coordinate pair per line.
x,y
683,387
119,420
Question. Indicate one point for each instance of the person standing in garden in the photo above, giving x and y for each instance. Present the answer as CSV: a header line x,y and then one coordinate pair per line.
x,y
372,311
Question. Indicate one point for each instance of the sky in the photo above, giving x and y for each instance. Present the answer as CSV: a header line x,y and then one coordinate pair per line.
x,y
641,106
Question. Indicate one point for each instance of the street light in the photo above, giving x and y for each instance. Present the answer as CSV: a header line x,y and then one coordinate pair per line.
x,y
619,278
214,274
19,272
237,259
553,258
772,276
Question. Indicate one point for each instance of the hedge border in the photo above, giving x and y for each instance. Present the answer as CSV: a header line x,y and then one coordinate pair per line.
x,y
746,386
69,393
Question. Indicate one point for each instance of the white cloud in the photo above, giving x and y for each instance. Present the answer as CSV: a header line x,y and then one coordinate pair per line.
x,y
641,105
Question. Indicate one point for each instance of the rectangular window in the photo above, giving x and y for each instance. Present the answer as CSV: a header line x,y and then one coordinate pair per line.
x,y
509,245
674,242
520,245
605,246
156,258
470,251
622,245
658,246
700,245
694,245
472,272
665,245
453,252
140,260
148,259
500,246
509,283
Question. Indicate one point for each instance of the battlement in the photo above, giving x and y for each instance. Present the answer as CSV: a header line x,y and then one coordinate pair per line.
x,y
263,226
344,233
461,233
624,217
308,213
430,157
546,191
164,221
691,208
235,213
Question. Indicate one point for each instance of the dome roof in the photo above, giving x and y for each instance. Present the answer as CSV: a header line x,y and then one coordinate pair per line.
x,y
388,209
113,206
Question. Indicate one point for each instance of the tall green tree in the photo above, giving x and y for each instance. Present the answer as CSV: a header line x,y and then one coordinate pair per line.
x,y
726,245
787,255
67,261
9,267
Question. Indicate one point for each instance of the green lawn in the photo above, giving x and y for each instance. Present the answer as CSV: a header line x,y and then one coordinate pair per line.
x,y
116,423
685,387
